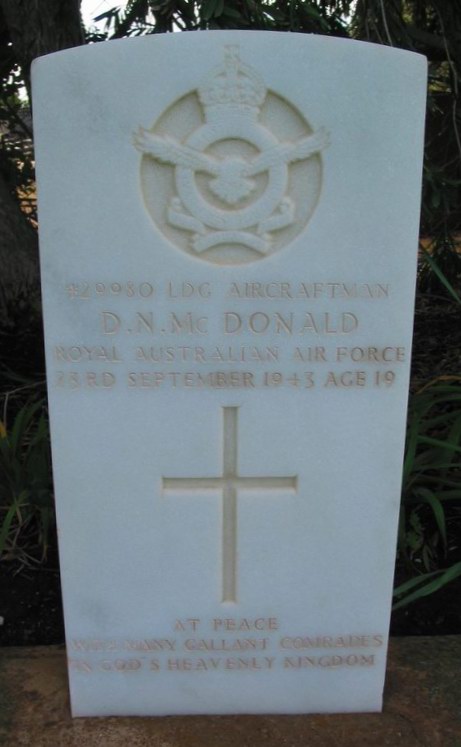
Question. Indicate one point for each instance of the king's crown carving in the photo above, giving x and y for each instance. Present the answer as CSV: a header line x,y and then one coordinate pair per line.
x,y
232,87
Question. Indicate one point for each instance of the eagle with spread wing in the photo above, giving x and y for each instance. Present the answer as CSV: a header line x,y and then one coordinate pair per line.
x,y
232,180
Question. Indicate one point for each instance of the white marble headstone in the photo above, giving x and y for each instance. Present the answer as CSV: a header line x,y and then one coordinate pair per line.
x,y
228,237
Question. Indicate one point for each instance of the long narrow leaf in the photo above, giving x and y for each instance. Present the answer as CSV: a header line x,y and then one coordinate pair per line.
x,y
412,443
437,509
443,279
444,578
5,528
412,582
21,423
454,436
437,442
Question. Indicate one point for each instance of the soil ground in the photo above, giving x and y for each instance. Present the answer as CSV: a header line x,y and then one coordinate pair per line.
x,y
421,708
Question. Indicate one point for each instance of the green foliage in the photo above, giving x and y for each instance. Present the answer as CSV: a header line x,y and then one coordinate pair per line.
x,y
443,265
21,335
26,498
156,16
430,518
433,29
16,146
424,585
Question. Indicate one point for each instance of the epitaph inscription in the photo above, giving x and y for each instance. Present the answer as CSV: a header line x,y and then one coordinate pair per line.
x,y
228,645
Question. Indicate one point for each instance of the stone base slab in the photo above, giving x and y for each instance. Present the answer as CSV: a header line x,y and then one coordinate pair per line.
x,y
422,708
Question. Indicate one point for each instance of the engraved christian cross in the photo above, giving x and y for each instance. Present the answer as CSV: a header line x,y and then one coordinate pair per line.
x,y
229,483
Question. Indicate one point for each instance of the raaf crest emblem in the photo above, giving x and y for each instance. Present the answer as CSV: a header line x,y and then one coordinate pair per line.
x,y
231,172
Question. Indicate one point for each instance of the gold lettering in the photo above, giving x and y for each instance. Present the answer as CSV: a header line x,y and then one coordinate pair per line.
x,y
120,665
346,379
371,354
188,290
325,641
240,624
309,324
283,324
335,661
188,324
225,644
110,323
232,322
151,644
78,353
212,380
190,624
306,355
144,323
349,322
80,666
259,322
